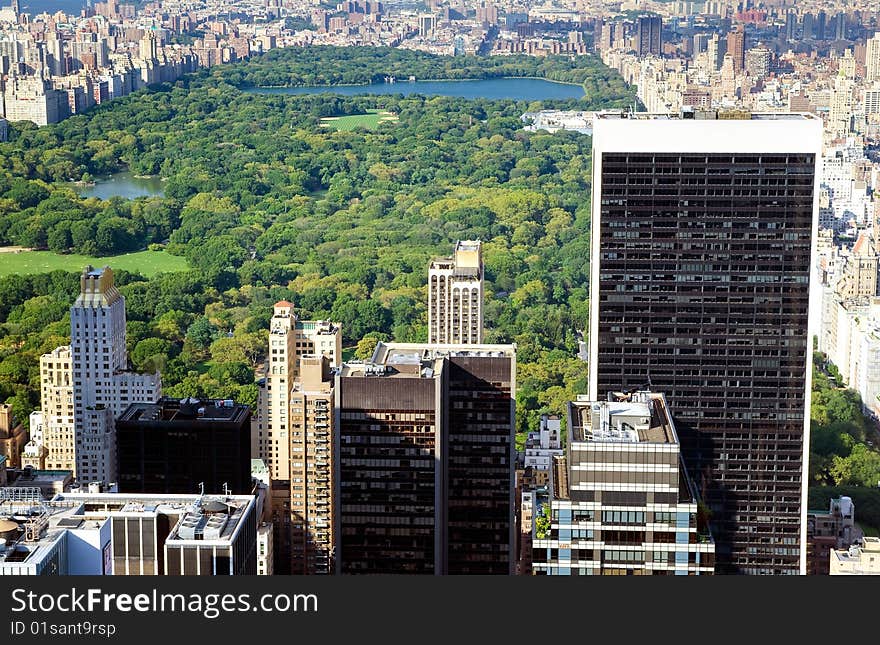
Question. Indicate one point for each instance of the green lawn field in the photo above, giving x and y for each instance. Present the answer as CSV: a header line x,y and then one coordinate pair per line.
x,y
147,263
370,121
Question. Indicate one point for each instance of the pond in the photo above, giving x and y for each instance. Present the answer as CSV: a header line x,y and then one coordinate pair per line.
x,y
123,184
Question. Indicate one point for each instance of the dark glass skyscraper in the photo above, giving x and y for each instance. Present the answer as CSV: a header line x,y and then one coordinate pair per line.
x,y
648,36
703,229
425,458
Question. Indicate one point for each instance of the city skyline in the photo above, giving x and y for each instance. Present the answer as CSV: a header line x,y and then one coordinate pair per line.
x,y
384,308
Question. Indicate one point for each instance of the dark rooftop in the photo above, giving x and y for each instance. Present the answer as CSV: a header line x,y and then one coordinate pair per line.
x,y
188,410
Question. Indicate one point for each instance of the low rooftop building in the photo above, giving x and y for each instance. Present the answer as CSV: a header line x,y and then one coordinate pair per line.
x,y
110,533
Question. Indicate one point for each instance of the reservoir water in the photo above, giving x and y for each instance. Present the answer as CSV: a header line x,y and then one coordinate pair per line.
x,y
525,89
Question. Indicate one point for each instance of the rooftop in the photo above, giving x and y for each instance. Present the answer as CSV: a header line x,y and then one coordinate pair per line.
x,y
186,411
639,417
419,360
31,525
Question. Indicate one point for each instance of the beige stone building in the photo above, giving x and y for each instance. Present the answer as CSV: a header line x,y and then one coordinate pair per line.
x,y
311,469
56,395
455,296
859,274
280,435
859,559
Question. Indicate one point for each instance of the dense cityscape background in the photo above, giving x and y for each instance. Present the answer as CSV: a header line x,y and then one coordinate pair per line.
x,y
564,288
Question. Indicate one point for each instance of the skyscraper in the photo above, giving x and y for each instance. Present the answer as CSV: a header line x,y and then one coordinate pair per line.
x,y
808,25
872,58
715,50
86,385
701,259
425,460
289,339
102,385
736,47
790,25
312,476
648,36
455,296
275,437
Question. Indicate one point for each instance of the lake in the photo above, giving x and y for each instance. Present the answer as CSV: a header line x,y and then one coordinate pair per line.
x,y
525,89
122,184
33,7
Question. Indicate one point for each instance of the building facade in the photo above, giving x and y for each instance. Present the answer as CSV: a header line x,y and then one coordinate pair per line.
x,y
425,460
140,535
702,244
13,436
630,507
86,385
312,477
102,385
282,434
289,340
649,39
829,530
56,398
455,296
182,446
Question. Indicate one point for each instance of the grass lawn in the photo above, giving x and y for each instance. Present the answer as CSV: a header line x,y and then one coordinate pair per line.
x,y
147,263
370,120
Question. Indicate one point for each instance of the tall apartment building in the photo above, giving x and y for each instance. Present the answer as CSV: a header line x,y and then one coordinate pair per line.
x,y
56,398
425,460
648,36
183,446
629,507
102,386
715,50
312,475
33,98
736,47
289,340
455,296
872,58
703,232
86,385
272,432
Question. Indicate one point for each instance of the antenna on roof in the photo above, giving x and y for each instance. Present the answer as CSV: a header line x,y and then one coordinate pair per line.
x,y
201,488
226,490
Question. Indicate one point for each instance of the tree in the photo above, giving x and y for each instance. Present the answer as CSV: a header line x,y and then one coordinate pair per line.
x,y
860,468
367,345
151,353
201,333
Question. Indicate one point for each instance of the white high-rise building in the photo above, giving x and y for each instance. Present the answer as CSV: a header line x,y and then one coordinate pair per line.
x,y
86,385
455,296
872,59
102,386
